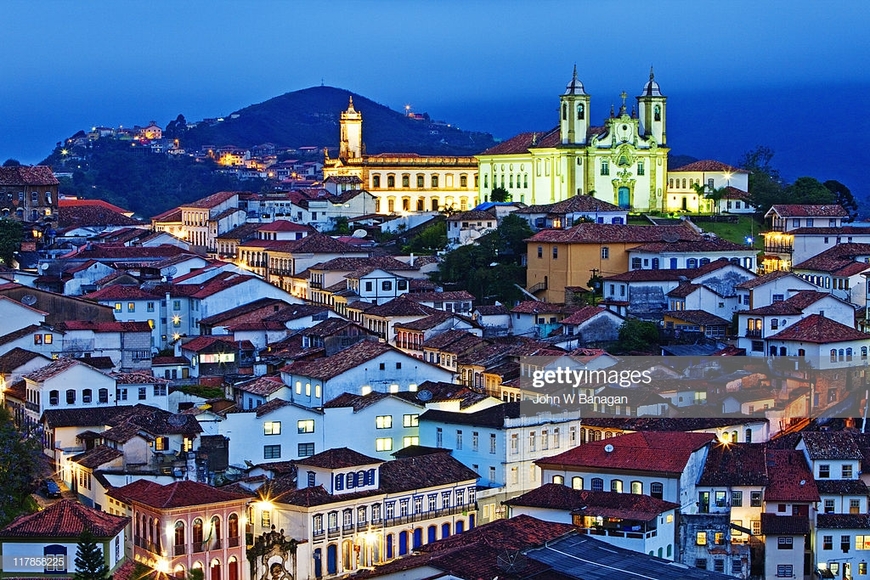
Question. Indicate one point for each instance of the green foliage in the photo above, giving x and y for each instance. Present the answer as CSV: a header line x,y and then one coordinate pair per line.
x,y
140,571
808,190
134,178
11,163
492,268
844,197
765,184
18,471
499,194
196,574
202,391
340,227
11,234
90,564
430,240
638,336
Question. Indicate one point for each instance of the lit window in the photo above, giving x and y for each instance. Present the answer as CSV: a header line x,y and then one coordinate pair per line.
x,y
272,428
701,538
384,421
305,426
384,444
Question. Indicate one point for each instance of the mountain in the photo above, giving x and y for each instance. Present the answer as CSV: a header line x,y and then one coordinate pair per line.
x,y
310,117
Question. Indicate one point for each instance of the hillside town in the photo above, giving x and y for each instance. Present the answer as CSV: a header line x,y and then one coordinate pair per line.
x,y
161,363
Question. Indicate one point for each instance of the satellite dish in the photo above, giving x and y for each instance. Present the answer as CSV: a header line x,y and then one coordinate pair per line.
x,y
171,271
360,233
424,395
43,266
670,237
608,448
28,299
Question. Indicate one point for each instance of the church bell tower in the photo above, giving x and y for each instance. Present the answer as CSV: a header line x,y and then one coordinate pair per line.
x,y
651,108
350,146
574,113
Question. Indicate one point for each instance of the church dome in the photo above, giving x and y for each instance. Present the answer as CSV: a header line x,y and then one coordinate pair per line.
x,y
651,88
575,87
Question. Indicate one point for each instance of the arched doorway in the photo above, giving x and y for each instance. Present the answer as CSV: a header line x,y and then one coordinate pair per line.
x,y
623,197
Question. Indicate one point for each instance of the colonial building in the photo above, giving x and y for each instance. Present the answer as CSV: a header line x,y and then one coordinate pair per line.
x,y
624,163
28,193
402,182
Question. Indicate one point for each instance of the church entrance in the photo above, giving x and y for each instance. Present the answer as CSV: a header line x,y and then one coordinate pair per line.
x,y
623,197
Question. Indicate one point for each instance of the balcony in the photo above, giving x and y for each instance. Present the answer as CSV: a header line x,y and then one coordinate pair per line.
x,y
753,333
537,287
180,550
233,542
778,248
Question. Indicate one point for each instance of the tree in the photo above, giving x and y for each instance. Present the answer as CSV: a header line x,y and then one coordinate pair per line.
x,y
90,563
499,194
700,189
16,478
716,194
429,241
11,234
808,190
637,336
765,183
844,197
11,163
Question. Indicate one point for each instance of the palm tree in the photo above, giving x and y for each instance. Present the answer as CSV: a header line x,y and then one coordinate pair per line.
x,y
716,194
700,189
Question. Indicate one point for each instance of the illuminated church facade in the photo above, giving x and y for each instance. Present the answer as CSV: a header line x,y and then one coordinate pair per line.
x,y
400,182
623,162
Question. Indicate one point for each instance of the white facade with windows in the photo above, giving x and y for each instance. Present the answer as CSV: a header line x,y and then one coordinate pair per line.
x,y
276,431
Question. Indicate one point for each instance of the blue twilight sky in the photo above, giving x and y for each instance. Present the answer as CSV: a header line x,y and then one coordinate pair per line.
x,y
792,75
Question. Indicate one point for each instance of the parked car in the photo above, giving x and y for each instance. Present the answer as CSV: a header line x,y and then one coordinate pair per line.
x,y
50,488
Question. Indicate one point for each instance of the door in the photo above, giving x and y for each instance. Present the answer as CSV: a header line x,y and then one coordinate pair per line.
x,y
703,502
332,559
623,197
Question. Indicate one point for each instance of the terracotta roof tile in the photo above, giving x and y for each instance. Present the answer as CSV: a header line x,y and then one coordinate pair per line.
x,y
326,368
339,458
843,521
708,165
16,358
587,233
777,525
576,203
660,452
760,280
831,445
65,519
818,329
211,201
423,471
735,464
54,369
472,216
93,458
174,495
606,504
27,175
585,313
263,386
799,210
700,317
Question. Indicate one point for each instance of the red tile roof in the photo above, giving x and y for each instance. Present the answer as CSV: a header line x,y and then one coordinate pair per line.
x,y
587,233
401,306
55,368
606,504
339,458
285,226
790,478
583,314
706,244
760,280
574,204
17,358
441,296
174,495
661,452
66,519
67,202
735,464
699,317
116,326
818,329
798,210
211,201
326,368
773,524
120,292
708,165
841,260
27,175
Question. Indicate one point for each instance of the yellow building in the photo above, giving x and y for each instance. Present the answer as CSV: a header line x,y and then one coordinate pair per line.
x,y
560,259
624,162
403,182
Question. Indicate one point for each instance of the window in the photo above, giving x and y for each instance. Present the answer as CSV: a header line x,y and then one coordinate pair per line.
x,y
411,440
176,304
605,253
493,441
605,167
824,471
532,441
386,285
784,570
637,487
131,307
439,437
87,395
555,252
755,499
736,499
458,439
434,181
827,542
862,542
597,484
121,394
785,543
515,443
143,393
845,543
117,307
305,426
846,471
854,506
829,506
70,397
701,539
412,420
540,252
272,428
384,422
616,485
102,396
271,452
719,499
701,563
161,444
265,521
656,490
384,444
576,482
640,168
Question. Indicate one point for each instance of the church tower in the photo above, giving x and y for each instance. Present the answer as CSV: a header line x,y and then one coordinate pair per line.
x,y
574,113
350,146
651,108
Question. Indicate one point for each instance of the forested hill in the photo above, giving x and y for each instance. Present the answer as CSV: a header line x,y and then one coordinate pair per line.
x,y
310,117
